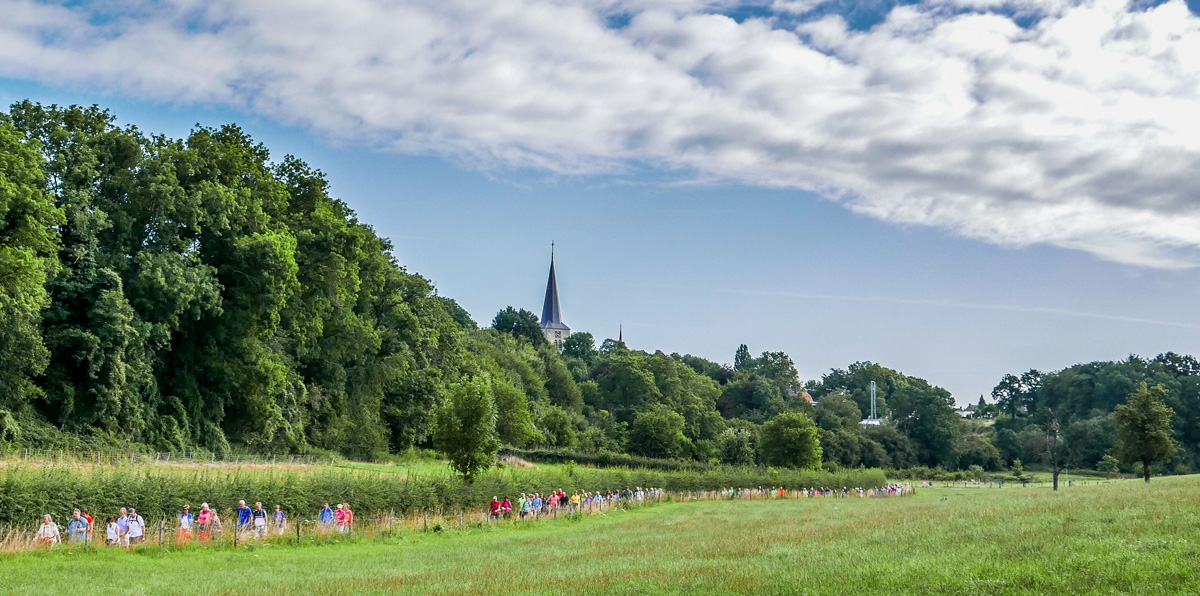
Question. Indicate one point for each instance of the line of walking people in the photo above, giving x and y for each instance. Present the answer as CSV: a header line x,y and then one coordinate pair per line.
x,y
538,504
128,528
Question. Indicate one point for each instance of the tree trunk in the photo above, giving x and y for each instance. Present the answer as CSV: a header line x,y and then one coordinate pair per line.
x,y
1056,470
1146,471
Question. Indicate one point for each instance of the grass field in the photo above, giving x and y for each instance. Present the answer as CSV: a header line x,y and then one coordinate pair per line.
x,y
1123,537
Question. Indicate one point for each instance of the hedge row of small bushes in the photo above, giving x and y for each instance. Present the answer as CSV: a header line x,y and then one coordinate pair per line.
x,y
28,492
606,459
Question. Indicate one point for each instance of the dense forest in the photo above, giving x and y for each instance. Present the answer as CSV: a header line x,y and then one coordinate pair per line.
x,y
174,294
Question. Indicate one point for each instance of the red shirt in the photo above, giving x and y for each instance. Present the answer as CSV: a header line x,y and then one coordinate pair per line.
x,y
495,506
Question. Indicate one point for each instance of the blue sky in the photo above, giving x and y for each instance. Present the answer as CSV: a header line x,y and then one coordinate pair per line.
x,y
737,229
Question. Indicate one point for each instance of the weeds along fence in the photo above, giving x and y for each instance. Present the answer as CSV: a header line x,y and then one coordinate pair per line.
x,y
157,492
163,533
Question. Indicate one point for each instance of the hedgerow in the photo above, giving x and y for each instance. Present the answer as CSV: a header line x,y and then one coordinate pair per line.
x,y
27,492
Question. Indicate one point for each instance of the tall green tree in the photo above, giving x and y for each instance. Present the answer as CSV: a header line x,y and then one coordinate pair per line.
x,y
790,440
519,323
658,433
28,259
581,345
466,428
1144,428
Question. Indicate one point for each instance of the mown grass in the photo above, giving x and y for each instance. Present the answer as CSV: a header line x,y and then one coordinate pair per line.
x,y
1123,537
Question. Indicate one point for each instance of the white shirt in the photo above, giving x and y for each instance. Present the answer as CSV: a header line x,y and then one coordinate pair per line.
x,y
112,531
137,527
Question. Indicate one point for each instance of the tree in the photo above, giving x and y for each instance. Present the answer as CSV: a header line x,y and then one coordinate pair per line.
x,y
790,440
658,433
557,427
519,323
1144,428
28,257
742,360
1016,395
612,346
458,314
514,424
736,447
466,428
580,345
1109,465
1053,453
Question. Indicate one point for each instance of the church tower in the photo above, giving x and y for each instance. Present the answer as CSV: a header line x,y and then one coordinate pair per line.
x,y
552,325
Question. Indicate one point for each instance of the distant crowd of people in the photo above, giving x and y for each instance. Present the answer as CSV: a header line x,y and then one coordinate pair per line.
x,y
536,504
845,491
128,529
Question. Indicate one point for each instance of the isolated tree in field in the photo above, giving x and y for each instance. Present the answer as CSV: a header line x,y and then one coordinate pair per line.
x,y
1109,465
520,323
790,440
1144,428
1053,452
466,428
658,433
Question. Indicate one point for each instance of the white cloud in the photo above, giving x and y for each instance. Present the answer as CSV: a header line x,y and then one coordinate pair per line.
x,y
1079,131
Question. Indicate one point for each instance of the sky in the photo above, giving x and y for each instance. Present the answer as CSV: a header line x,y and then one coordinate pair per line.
x,y
956,189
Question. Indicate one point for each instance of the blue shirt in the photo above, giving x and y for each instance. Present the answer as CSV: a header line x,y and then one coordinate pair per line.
x,y
327,516
122,524
243,516
77,528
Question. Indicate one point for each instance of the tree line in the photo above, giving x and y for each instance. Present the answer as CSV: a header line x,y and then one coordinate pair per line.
x,y
183,293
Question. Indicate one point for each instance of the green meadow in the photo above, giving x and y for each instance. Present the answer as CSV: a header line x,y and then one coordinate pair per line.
x,y
1123,537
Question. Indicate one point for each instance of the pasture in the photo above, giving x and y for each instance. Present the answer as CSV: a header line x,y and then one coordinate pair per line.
x,y
1119,537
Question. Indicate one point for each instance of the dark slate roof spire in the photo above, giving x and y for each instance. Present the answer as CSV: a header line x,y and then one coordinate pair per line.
x,y
551,316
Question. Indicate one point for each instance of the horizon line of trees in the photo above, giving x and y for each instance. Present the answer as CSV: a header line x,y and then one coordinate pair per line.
x,y
180,293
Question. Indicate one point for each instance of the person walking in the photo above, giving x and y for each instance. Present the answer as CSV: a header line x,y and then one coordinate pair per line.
x,y
340,517
260,520
494,508
184,532
112,536
77,527
204,523
326,517
48,533
91,522
280,520
506,508
243,517
123,527
137,528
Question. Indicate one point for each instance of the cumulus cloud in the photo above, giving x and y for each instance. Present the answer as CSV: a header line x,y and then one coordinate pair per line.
x,y
1078,130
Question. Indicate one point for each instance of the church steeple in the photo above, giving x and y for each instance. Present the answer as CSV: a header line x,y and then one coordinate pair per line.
x,y
552,325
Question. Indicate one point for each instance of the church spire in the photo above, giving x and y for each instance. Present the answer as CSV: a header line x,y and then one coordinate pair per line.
x,y
551,323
